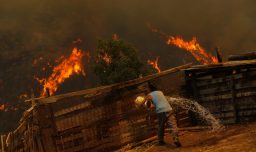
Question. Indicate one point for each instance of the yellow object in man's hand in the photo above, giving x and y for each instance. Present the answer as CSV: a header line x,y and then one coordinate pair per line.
x,y
139,101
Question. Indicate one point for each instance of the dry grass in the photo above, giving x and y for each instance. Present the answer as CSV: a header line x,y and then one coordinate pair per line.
x,y
142,148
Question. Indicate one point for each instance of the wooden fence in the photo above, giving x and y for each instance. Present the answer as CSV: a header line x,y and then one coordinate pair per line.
x,y
98,119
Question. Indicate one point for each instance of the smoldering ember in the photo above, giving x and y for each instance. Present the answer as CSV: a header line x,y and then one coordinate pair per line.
x,y
100,76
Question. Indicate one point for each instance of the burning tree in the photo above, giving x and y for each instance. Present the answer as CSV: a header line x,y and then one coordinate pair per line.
x,y
117,61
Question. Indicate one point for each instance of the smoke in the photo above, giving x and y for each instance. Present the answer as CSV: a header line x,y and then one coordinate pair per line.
x,y
54,24
30,29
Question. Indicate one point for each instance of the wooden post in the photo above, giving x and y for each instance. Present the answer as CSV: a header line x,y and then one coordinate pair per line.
x,y
2,144
233,92
195,92
218,55
48,92
47,128
33,102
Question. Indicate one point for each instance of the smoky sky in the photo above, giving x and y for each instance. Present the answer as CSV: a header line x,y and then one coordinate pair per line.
x,y
50,24
33,28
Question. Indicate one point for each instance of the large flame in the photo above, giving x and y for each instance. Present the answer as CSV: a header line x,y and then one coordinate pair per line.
x,y
155,64
66,68
194,48
191,46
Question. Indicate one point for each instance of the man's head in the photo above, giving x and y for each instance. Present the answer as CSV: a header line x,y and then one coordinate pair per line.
x,y
152,87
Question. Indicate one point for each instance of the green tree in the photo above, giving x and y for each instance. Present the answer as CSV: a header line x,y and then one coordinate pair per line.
x,y
117,61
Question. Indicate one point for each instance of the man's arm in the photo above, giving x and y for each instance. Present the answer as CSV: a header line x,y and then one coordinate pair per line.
x,y
148,102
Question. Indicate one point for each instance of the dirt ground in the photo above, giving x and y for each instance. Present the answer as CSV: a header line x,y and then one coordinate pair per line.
x,y
235,138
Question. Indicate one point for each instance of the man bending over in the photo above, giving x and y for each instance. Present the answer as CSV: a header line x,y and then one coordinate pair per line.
x,y
165,114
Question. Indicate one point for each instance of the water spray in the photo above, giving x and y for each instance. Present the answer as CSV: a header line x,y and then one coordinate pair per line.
x,y
187,104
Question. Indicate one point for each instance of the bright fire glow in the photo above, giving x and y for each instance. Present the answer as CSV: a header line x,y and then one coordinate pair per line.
x,y
194,48
2,107
115,37
66,68
106,58
155,64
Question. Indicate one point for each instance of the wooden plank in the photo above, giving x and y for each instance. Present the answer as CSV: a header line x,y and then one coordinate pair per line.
x,y
209,82
247,112
234,102
244,56
92,111
215,98
80,109
83,105
227,96
248,118
2,143
229,64
47,127
221,108
228,121
247,106
245,84
246,94
225,114
218,81
215,90
219,78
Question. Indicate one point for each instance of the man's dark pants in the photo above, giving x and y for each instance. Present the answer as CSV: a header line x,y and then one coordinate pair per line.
x,y
167,118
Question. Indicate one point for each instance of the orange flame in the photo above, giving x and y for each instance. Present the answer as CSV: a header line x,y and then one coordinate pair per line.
x,y
155,64
115,37
68,66
106,58
35,61
191,46
77,41
2,107
194,48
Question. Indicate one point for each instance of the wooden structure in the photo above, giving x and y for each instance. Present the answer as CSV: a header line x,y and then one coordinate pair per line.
x,y
244,56
2,143
227,89
98,119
